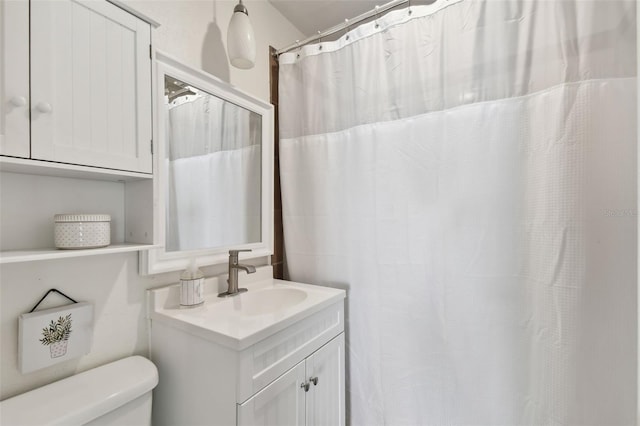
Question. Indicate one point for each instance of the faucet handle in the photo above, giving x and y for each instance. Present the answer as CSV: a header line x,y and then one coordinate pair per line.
x,y
235,252
233,255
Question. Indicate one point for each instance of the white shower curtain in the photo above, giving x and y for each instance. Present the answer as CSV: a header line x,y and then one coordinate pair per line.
x,y
467,172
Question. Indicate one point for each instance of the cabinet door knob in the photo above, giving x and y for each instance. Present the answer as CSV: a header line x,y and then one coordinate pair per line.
x,y
314,380
44,107
305,386
18,101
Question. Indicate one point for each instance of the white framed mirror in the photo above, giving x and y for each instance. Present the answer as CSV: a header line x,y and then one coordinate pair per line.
x,y
213,170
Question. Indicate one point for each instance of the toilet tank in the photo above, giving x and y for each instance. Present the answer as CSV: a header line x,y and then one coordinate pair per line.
x,y
118,393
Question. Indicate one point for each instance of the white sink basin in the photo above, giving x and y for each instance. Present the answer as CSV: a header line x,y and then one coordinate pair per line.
x,y
268,306
269,300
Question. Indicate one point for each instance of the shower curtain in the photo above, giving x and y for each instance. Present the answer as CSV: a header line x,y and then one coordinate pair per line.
x,y
467,172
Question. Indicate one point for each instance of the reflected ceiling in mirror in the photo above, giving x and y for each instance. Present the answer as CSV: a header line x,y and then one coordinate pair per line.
x,y
212,162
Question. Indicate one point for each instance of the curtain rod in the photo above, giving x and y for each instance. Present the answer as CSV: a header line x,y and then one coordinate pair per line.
x,y
346,24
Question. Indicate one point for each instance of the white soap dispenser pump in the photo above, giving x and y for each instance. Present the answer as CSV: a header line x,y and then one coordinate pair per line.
x,y
192,286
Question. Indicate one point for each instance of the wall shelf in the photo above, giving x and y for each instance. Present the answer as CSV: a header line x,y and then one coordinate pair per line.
x,y
31,201
48,168
16,256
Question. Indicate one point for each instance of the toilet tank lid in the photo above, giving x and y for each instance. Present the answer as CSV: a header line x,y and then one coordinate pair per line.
x,y
82,397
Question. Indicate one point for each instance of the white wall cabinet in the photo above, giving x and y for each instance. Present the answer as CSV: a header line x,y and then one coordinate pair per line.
x,y
14,80
295,377
75,124
90,84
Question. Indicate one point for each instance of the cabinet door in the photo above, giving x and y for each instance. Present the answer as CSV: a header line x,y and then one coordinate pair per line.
x,y
281,403
90,85
14,78
326,398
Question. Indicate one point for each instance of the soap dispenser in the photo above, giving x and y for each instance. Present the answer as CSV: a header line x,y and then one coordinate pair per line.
x,y
192,286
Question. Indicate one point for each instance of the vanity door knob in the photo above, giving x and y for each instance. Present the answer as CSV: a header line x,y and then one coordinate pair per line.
x,y
305,386
314,380
44,107
18,101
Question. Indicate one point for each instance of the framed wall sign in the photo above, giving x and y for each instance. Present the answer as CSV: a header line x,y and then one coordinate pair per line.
x,y
54,335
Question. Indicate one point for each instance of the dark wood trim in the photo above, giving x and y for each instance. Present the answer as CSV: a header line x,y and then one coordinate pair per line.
x,y
277,259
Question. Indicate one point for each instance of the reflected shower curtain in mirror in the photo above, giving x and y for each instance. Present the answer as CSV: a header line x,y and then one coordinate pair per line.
x,y
213,168
467,172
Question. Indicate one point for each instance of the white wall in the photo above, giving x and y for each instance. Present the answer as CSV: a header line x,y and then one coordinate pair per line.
x,y
194,31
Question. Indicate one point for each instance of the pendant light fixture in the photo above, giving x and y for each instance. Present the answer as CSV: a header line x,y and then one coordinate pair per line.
x,y
241,43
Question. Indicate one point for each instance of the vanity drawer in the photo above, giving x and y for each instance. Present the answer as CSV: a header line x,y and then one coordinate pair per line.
x,y
265,361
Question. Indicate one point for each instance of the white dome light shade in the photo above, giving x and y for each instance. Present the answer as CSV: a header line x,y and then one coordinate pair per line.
x,y
241,43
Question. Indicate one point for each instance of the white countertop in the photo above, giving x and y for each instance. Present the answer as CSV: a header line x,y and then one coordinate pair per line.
x,y
225,320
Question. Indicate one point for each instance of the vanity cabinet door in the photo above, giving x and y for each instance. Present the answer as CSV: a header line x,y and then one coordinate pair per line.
x,y
90,85
325,372
14,78
281,403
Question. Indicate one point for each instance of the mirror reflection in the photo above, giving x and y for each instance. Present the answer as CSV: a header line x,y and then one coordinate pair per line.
x,y
213,165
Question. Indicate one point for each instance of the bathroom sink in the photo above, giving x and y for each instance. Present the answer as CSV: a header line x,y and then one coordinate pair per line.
x,y
268,306
269,300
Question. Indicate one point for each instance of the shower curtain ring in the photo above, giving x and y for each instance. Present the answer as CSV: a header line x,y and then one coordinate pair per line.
x,y
298,47
410,11
319,40
377,8
347,29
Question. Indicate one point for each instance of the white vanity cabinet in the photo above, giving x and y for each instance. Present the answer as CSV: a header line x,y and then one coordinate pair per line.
x,y
221,364
76,84
325,401
311,393
281,402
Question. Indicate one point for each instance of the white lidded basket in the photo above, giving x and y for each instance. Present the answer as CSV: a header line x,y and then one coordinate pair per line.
x,y
81,231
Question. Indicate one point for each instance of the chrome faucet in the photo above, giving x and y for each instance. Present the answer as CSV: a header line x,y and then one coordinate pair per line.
x,y
233,274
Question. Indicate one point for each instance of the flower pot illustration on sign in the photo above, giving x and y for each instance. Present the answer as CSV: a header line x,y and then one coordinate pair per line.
x,y
56,336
